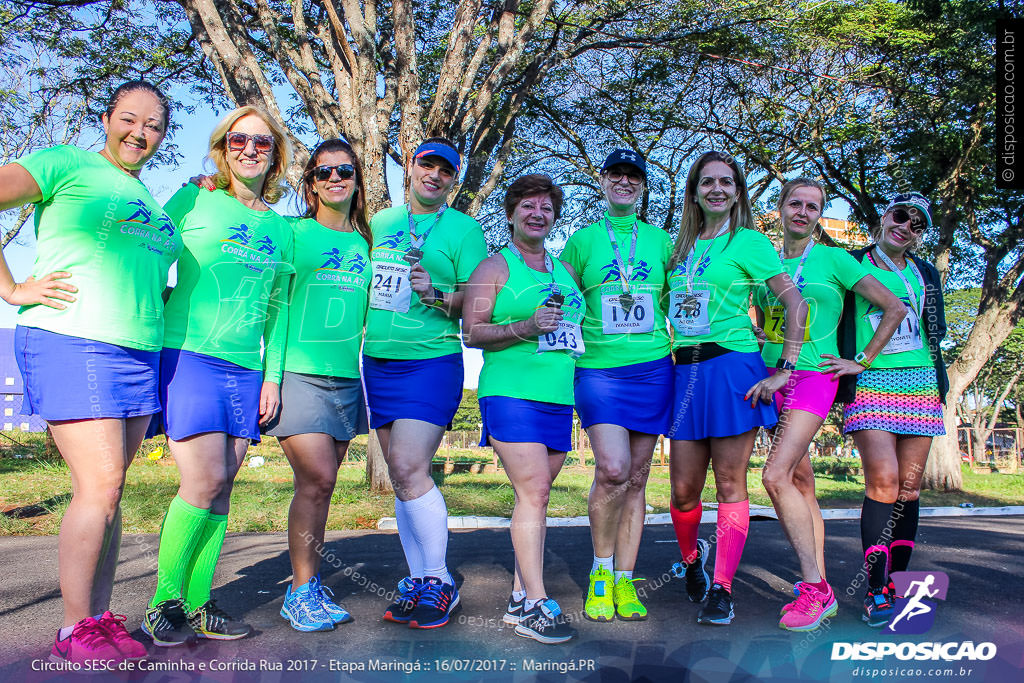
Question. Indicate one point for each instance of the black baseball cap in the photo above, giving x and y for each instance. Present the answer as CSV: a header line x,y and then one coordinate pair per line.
x,y
626,156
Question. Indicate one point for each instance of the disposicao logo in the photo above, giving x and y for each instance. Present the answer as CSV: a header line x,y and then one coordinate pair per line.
x,y
915,613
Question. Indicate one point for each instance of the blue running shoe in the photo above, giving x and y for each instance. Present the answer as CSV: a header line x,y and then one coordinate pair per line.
x,y
437,600
302,608
878,607
408,595
337,613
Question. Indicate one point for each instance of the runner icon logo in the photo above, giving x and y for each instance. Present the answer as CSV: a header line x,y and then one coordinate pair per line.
x,y
915,612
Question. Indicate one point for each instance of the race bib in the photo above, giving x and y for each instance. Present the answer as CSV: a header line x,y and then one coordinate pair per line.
x,y
907,336
775,324
616,320
389,286
688,312
568,337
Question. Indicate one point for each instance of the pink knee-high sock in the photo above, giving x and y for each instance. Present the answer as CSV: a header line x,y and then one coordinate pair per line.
x,y
733,523
686,524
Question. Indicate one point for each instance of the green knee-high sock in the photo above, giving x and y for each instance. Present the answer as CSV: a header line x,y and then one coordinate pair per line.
x,y
199,578
180,532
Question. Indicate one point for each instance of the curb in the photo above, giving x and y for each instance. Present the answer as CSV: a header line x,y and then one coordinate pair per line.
x,y
757,512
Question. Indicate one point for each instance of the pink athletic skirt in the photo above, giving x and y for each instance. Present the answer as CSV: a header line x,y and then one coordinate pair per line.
x,y
808,390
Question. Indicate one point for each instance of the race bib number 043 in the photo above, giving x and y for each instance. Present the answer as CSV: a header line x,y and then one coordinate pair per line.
x,y
568,337
616,320
389,287
907,336
688,312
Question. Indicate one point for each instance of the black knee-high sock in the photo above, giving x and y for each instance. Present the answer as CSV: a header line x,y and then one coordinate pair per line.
x,y
905,515
874,517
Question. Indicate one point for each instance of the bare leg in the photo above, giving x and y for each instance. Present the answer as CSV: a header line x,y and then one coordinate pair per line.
x,y
730,456
803,479
611,477
688,470
634,504
409,445
881,466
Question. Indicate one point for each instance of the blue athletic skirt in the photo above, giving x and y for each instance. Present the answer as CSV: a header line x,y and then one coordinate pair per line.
x,y
637,397
70,378
516,420
708,400
427,389
203,394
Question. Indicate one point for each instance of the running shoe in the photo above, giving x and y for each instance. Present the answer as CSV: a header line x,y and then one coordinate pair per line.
x,y
437,600
514,612
210,621
408,595
167,624
113,625
545,623
892,591
303,609
88,641
809,609
600,604
627,604
718,607
337,613
696,574
878,607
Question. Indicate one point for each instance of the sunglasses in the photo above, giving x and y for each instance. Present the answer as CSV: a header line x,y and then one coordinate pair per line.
x,y
262,144
904,216
345,171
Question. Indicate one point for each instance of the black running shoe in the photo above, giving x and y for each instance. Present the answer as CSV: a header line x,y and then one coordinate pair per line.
x,y
514,612
697,579
167,624
210,621
717,607
401,609
437,600
545,623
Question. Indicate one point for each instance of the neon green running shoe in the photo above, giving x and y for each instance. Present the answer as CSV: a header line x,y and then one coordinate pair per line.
x,y
627,604
599,605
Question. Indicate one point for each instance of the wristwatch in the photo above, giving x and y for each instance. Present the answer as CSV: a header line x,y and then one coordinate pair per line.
x,y
438,298
784,364
862,360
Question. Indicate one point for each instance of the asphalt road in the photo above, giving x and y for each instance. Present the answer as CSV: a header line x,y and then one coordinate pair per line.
x,y
983,557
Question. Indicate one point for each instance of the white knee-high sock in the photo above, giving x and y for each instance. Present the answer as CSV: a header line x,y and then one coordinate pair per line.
x,y
413,556
428,521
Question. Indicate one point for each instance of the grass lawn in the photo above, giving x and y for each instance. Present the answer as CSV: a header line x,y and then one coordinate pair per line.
x,y
261,495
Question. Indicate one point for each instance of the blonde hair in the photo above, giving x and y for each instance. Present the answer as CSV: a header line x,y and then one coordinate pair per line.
x,y
740,216
274,186
795,183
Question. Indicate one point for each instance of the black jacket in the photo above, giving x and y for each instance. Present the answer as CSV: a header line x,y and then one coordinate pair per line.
x,y
933,320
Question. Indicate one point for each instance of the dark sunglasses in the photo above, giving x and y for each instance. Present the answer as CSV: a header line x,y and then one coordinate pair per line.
x,y
345,171
903,216
261,143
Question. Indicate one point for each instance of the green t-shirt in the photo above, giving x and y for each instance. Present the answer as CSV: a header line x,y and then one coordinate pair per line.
x,y
519,371
728,270
453,249
102,226
826,276
233,280
864,309
328,302
590,253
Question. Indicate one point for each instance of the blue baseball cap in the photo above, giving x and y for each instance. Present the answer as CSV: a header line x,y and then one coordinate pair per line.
x,y
436,149
626,156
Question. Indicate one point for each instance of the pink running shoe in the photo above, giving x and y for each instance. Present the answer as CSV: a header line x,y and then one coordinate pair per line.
x,y
87,642
113,626
809,609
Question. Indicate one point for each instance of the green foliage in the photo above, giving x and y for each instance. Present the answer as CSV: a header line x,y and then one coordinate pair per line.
x,y
467,418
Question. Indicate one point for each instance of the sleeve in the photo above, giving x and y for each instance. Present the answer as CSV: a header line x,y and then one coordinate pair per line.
x,y
275,332
847,270
470,251
759,259
183,202
571,252
53,168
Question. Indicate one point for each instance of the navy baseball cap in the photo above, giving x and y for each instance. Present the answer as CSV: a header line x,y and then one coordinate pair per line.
x,y
626,156
913,200
436,149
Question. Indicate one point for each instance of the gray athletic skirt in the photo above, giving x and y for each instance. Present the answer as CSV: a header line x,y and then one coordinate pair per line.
x,y
316,403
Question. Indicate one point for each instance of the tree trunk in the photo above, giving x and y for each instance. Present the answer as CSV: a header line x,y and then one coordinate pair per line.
x,y
376,467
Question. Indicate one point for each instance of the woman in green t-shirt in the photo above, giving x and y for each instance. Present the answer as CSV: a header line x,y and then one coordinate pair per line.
x,y
624,382
230,300
88,341
823,275
322,404
524,309
722,390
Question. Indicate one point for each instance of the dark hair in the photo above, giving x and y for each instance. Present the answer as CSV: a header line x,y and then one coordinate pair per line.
x,y
529,185
357,210
137,86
